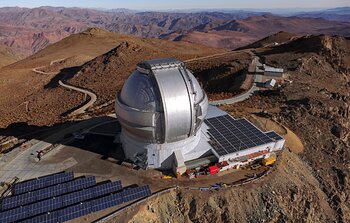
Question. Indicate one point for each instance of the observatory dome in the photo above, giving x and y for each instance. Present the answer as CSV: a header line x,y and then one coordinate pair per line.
x,y
160,103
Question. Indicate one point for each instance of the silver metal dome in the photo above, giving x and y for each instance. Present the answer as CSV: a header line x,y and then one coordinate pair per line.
x,y
161,108
161,102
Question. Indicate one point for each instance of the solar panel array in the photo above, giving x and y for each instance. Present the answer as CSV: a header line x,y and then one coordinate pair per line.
x,y
274,135
47,192
135,193
62,200
232,135
90,206
66,201
41,182
92,192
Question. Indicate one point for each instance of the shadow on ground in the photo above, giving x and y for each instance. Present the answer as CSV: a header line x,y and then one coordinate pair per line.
x,y
63,75
103,145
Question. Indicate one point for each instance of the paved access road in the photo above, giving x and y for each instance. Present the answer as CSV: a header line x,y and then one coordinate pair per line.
x,y
241,97
246,95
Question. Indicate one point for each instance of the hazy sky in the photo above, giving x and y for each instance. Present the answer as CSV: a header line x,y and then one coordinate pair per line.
x,y
179,4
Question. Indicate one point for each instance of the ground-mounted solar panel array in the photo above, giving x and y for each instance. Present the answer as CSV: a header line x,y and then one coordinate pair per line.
x,y
231,135
63,200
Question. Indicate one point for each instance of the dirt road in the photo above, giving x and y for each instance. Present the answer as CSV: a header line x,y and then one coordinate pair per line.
x,y
82,109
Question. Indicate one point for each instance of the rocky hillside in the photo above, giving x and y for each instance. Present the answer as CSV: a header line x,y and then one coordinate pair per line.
x,y
289,194
105,75
309,187
95,59
316,106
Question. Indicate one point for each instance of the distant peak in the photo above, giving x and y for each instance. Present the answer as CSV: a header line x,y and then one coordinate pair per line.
x,y
95,31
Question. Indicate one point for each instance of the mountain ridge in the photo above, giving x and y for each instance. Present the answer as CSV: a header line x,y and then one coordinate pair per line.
x,y
26,31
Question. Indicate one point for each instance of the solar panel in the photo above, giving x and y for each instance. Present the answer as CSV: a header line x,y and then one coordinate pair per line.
x,y
96,191
232,135
13,214
61,201
274,135
74,211
107,188
44,206
106,202
44,218
86,207
41,182
76,197
48,192
136,193
81,183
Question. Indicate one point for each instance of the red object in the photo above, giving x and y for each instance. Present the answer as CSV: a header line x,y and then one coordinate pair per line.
x,y
213,169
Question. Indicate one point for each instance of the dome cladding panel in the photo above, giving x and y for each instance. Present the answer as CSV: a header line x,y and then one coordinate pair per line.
x,y
138,92
169,96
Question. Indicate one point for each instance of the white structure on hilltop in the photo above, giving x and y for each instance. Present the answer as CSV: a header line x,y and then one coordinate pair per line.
x,y
166,121
161,109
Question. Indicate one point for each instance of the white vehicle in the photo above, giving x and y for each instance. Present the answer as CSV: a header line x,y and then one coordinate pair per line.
x,y
78,136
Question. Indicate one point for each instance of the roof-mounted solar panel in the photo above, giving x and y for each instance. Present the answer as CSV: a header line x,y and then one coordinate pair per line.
x,y
231,135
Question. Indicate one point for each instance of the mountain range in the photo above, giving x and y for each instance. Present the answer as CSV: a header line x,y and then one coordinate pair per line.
x,y
26,31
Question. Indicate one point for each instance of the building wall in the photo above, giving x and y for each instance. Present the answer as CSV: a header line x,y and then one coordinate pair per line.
x,y
159,156
273,74
269,147
279,145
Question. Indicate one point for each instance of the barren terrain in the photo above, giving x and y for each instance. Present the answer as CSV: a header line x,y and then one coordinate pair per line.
x,y
6,57
310,178
27,94
308,185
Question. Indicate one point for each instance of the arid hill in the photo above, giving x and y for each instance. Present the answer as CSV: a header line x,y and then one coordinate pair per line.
x,y
39,100
6,57
275,39
238,33
309,187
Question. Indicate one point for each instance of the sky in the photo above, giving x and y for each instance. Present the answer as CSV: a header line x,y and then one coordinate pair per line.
x,y
179,4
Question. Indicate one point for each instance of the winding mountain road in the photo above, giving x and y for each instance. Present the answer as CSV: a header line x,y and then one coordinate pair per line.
x,y
238,98
93,97
241,97
208,57
80,110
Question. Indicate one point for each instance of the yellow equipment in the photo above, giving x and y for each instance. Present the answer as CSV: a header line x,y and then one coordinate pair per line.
x,y
269,160
167,177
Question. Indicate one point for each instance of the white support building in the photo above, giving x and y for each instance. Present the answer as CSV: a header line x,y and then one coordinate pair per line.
x,y
272,71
